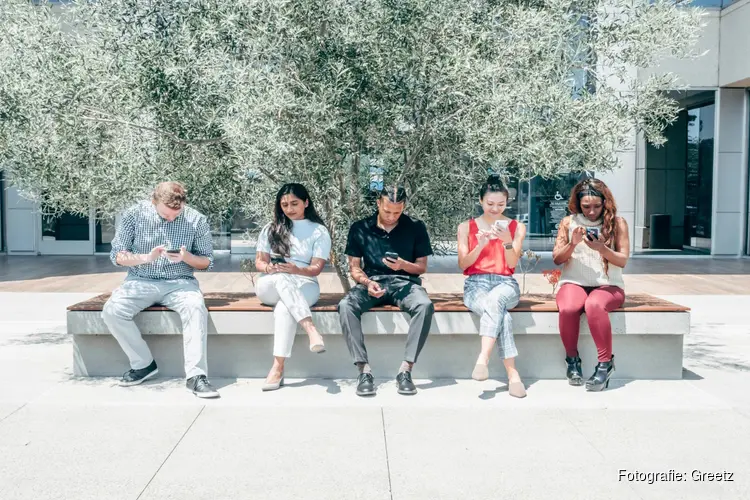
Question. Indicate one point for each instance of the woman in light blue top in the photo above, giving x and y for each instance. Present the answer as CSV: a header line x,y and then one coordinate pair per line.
x,y
291,253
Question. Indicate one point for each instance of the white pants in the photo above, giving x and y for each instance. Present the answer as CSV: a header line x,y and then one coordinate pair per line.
x,y
182,296
292,297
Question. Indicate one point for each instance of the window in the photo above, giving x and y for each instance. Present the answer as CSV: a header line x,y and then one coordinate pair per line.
x,y
541,204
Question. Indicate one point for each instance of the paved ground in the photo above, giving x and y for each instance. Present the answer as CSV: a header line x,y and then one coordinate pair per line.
x,y
655,275
67,438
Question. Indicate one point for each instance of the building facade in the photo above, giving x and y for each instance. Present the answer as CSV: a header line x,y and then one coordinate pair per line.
x,y
689,196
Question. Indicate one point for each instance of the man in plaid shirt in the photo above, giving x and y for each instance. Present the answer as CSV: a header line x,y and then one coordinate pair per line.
x,y
162,241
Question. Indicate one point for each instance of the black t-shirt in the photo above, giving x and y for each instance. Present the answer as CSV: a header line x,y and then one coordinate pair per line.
x,y
366,240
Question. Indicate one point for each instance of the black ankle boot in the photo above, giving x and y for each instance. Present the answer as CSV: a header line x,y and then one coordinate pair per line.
x,y
600,379
575,376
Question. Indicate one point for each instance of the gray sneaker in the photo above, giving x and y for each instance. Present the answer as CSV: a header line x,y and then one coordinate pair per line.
x,y
201,387
135,377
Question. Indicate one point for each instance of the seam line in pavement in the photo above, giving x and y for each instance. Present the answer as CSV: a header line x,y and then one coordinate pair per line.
x,y
170,453
387,460
601,454
13,412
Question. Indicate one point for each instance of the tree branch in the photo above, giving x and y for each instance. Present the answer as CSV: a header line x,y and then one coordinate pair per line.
x,y
173,137
412,159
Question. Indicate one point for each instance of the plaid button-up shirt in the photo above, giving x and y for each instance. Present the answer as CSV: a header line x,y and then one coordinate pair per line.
x,y
142,229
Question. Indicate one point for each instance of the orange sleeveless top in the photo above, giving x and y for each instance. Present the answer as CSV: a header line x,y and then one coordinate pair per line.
x,y
492,258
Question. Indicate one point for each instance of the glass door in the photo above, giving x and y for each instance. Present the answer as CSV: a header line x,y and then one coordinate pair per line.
x,y
747,198
2,211
699,178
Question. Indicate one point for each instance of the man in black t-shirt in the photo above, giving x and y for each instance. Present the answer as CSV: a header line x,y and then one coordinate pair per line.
x,y
387,254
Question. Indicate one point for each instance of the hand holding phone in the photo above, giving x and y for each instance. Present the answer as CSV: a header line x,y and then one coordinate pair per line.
x,y
592,233
393,261
174,255
501,232
502,225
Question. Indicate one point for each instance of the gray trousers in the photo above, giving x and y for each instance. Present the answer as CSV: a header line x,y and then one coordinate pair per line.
x,y
403,293
182,296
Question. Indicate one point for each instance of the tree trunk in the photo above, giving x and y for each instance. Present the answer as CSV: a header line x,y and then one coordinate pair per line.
x,y
343,277
337,260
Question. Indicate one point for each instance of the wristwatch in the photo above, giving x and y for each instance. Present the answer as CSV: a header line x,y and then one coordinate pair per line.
x,y
508,246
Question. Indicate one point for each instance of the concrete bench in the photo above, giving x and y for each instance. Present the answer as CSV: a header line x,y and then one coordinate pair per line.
x,y
648,339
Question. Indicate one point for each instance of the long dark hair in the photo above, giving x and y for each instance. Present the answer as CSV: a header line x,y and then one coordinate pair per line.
x,y
281,227
595,187
493,184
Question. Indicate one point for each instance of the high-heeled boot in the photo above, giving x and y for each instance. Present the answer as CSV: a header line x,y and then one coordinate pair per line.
x,y
574,374
600,379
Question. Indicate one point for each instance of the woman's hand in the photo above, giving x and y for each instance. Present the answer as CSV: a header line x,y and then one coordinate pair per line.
x,y
579,234
502,233
483,237
270,268
287,267
597,244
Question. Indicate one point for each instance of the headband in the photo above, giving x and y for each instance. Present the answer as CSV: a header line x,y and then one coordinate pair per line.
x,y
589,191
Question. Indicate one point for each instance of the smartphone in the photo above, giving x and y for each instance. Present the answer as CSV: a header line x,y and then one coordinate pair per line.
x,y
592,233
276,259
173,250
391,255
502,224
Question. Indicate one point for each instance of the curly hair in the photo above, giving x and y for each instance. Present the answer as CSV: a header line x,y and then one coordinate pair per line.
x,y
595,187
172,194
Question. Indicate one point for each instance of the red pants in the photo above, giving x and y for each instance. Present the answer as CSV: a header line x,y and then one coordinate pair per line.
x,y
572,300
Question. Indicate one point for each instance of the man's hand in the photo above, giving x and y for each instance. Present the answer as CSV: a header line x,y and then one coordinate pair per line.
x,y
396,265
375,290
155,253
174,258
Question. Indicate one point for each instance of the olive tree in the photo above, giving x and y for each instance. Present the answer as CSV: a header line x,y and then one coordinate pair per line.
x,y
101,100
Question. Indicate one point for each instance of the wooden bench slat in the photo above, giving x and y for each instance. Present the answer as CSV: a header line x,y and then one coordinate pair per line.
x,y
444,302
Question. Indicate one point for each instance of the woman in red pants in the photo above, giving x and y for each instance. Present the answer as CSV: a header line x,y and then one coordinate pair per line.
x,y
593,246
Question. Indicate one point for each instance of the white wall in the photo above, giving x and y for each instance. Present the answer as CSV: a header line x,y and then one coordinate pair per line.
x,y
726,41
21,223
622,183
700,72
734,49
730,172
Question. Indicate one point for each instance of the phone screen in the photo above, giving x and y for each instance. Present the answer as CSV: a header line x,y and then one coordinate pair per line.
x,y
173,251
391,255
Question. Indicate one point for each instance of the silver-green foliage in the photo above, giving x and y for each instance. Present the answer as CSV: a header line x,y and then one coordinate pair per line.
x,y
101,100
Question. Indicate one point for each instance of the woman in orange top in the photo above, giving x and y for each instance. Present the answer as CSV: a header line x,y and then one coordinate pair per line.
x,y
488,249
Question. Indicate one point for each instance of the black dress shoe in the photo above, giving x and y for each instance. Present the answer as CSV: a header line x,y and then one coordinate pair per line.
x,y
201,387
405,385
135,377
366,385
575,376
602,372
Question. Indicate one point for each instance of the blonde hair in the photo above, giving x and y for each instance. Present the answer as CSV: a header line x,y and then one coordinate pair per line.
x,y
172,194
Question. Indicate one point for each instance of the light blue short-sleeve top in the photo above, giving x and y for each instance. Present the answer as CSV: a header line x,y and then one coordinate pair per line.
x,y
309,240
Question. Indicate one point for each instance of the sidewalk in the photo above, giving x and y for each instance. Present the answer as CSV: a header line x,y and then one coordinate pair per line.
x,y
67,438
96,274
